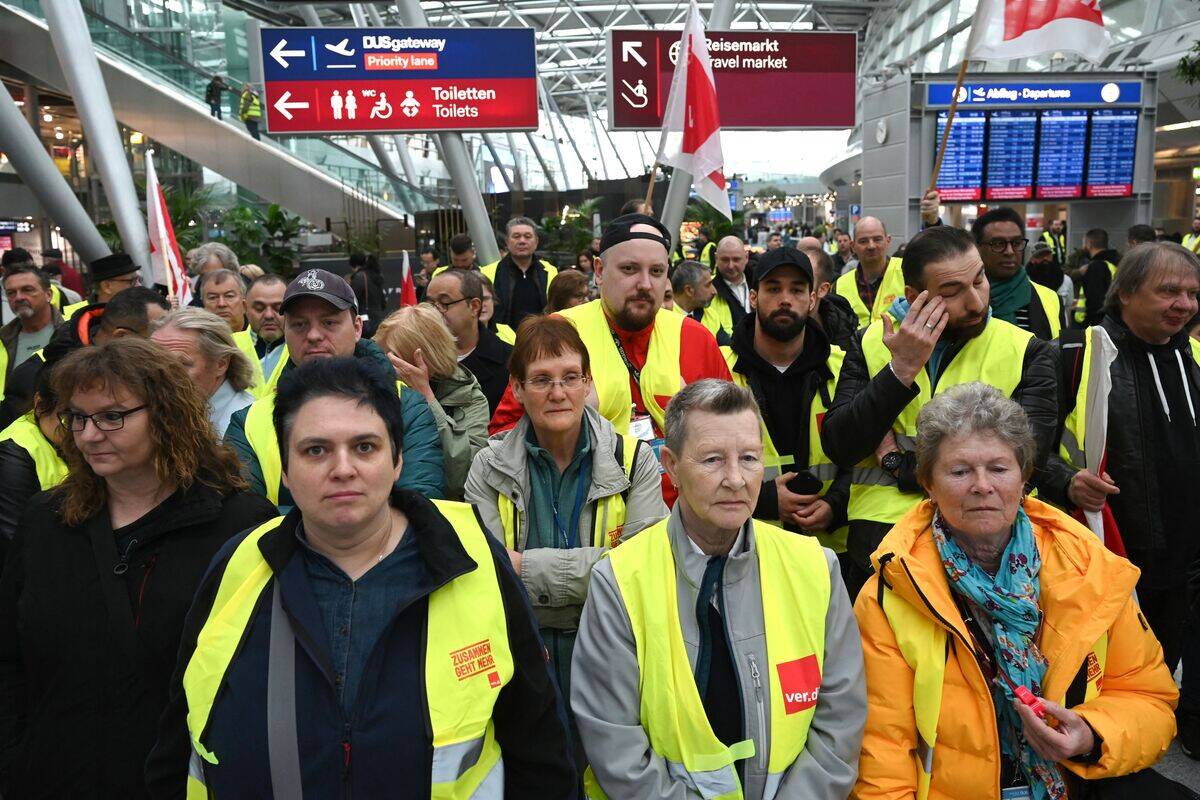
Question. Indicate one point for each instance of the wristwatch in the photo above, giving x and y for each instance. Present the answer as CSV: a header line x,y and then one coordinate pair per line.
x,y
891,462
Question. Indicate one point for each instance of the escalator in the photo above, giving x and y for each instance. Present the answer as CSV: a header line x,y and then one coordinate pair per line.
x,y
155,92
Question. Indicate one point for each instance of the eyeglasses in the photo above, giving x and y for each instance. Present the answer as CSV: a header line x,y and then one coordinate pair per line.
x,y
132,280
443,306
542,384
103,420
999,245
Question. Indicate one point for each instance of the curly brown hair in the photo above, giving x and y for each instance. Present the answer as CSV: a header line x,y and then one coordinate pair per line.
x,y
186,447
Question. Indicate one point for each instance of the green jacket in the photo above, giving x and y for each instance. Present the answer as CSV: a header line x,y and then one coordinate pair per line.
x,y
422,471
461,413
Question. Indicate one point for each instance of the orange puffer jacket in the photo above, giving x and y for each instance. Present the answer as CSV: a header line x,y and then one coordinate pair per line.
x,y
1085,591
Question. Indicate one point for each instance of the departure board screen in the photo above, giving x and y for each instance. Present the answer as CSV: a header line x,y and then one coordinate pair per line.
x,y
1054,154
1011,145
961,177
1112,142
1062,141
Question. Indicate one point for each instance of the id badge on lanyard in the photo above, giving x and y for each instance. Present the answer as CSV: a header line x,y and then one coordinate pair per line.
x,y
641,426
1016,793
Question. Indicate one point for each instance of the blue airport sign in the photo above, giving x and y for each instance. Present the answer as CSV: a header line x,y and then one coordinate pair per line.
x,y
1036,93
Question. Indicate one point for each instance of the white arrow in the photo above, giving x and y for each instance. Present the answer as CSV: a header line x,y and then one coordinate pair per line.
x,y
631,49
282,105
279,54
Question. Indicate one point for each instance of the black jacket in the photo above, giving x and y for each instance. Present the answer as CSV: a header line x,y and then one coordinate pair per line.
x,y
388,729
89,639
838,319
865,407
18,476
1094,285
506,278
488,362
22,383
785,400
1157,523
369,292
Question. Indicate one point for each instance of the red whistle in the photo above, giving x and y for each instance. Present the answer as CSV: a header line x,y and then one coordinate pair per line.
x,y
1031,702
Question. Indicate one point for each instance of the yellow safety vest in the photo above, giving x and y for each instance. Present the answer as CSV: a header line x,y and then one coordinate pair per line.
x,y
994,357
706,255
891,287
718,316
610,511
1058,244
250,106
1081,302
260,435
794,577
819,464
659,377
1192,242
506,334
24,431
245,342
922,642
1072,444
467,612
56,297
1052,305
489,270
74,308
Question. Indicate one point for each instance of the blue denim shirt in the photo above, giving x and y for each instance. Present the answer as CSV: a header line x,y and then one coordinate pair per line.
x,y
356,613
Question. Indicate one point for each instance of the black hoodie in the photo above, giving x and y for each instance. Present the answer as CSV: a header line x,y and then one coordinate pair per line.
x,y
785,399
1094,285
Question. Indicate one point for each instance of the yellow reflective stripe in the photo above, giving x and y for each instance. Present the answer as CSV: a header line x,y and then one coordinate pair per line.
x,y
242,583
24,431
660,375
1071,445
506,334
1052,306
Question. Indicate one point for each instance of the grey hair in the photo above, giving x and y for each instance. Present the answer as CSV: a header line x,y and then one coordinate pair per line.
x,y
515,221
220,276
688,273
215,340
972,408
711,395
201,255
1140,262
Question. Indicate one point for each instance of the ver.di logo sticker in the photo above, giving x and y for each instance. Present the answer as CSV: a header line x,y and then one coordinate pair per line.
x,y
800,681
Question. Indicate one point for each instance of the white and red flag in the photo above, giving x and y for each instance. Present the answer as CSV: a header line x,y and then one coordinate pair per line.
x,y
1005,29
164,250
408,289
691,134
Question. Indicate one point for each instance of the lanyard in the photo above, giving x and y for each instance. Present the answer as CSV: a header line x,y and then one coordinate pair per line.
x,y
567,535
634,371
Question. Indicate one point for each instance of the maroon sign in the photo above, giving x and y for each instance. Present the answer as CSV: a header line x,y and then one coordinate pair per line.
x,y
765,80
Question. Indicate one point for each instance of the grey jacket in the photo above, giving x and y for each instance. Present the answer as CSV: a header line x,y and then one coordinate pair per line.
x,y
606,699
557,580
461,414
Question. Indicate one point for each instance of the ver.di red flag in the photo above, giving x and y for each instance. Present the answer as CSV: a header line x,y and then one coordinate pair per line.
x,y
408,289
164,250
691,134
1005,29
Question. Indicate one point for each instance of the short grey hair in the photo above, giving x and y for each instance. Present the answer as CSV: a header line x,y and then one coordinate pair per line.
x,y
220,276
215,341
972,408
1144,260
515,221
688,273
205,252
709,395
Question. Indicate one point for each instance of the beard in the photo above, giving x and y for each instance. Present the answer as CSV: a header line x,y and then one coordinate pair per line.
x,y
962,333
24,311
782,326
628,319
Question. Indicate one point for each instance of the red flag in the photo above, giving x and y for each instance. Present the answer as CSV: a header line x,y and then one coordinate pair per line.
x,y
164,250
691,134
408,289
1006,29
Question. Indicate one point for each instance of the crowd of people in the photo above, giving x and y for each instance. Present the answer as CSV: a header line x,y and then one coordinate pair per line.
x,y
834,519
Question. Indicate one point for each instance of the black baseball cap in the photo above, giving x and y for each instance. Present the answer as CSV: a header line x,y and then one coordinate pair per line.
x,y
783,257
323,285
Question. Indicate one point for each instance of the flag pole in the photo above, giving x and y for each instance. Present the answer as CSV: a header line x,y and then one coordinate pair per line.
x,y
650,188
162,244
937,164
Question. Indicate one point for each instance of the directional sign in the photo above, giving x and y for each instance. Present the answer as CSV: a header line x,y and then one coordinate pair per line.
x,y
382,80
765,80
